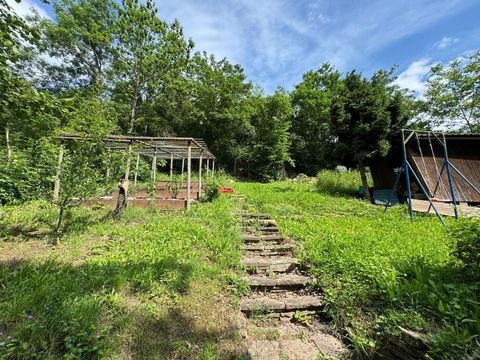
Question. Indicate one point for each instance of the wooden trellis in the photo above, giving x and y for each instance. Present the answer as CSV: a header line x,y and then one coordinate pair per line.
x,y
166,148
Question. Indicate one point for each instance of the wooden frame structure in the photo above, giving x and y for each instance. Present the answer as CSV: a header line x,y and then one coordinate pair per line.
x,y
167,148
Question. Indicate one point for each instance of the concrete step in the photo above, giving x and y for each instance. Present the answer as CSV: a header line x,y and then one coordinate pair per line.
x,y
281,282
267,249
267,238
286,304
264,229
278,264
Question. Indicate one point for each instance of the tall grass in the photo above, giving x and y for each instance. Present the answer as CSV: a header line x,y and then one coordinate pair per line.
x,y
378,270
125,283
338,183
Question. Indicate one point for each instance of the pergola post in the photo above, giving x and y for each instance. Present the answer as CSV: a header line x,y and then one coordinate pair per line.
x,y
189,173
183,169
208,167
200,177
213,168
109,163
129,158
136,169
154,166
56,189
171,167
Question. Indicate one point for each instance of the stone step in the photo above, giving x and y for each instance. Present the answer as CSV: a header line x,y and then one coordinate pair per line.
x,y
286,304
263,222
264,229
283,282
267,238
279,264
255,216
265,248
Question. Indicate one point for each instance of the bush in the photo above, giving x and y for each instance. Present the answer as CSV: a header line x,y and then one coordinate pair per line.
x,y
334,182
210,191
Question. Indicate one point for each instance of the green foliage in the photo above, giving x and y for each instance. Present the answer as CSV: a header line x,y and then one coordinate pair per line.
x,y
452,97
467,236
74,306
338,183
270,149
379,270
311,125
211,190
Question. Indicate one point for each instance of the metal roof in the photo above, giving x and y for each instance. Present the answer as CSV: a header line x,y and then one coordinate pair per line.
x,y
162,147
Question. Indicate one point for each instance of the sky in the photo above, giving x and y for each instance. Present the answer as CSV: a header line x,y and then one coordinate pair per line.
x,y
277,41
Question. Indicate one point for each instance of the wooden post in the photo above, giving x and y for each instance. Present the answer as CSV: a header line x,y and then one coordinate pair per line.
x,y
136,169
213,168
189,174
7,139
109,162
171,167
154,166
200,177
56,189
208,167
127,168
183,168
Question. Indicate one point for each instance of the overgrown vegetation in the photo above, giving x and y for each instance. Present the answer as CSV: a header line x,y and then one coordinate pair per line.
x,y
380,270
140,285
338,183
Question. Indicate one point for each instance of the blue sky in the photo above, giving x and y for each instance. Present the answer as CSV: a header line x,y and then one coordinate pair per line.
x,y
277,41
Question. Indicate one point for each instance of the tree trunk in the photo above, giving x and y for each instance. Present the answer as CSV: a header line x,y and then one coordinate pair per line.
x,y
133,109
7,140
363,175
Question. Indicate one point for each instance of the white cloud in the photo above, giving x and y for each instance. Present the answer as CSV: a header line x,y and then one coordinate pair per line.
x,y
445,42
24,8
415,76
277,41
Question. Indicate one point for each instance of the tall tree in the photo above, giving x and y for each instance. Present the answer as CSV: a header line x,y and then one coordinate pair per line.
x,y
365,115
221,111
76,49
311,128
271,144
452,97
148,54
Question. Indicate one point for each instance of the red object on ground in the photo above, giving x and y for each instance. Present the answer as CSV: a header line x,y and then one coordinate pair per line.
x,y
226,190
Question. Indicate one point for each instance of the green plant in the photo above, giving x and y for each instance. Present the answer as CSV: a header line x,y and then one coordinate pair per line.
x,y
467,236
338,183
210,191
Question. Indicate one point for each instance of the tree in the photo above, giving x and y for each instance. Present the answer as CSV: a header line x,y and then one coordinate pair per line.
x,y
452,97
311,128
366,117
220,107
271,144
78,45
149,52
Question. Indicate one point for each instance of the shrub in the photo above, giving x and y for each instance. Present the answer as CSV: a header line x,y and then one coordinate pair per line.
x,y
210,191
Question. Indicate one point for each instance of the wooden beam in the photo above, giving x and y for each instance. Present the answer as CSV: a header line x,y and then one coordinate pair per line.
x,y
136,170
129,159
171,168
213,168
208,167
154,166
183,169
200,177
189,174
56,189
109,163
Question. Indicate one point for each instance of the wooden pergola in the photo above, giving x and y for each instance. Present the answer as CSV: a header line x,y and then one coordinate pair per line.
x,y
166,148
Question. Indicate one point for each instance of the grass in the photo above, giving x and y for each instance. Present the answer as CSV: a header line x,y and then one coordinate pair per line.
x,y
158,284
151,285
377,270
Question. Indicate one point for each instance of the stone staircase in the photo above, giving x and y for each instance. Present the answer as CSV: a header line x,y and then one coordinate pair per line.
x,y
281,295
